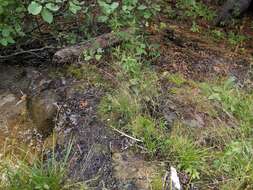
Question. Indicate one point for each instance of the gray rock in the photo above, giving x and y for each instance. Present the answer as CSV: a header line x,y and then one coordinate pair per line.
x,y
43,110
132,171
15,126
9,110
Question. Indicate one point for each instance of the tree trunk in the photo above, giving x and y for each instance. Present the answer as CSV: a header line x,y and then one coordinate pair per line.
x,y
231,8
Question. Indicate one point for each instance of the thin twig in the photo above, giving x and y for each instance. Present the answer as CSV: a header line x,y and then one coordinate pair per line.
x,y
126,135
31,51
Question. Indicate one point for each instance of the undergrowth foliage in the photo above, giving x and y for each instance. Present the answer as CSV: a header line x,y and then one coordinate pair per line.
x,y
22,174
220,152
204,154
16,23
25,14
128,109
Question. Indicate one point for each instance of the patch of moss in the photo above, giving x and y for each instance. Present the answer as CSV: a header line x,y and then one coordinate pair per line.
x,y
175,78
157,182
89,73
193,97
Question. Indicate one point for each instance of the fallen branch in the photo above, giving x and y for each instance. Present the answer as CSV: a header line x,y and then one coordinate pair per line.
x,y
31,51
72,53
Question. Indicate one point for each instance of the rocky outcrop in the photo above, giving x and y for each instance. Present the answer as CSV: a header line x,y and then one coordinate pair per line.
x,y
27,107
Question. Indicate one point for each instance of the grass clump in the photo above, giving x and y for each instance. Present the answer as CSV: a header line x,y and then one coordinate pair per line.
x,y
236,160
150,131
39,174
185,152
232,100
119,108
176,78
129,100
137,85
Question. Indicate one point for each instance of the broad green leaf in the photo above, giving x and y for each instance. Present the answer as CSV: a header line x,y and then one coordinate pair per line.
x,y
147,14
101,3
4,42
114,6
214,96
10,40
76,2
47,16
108,8
1,10
142,7
98,57
74,8
52,7
20,9
34,8
46,187
102,18
6,32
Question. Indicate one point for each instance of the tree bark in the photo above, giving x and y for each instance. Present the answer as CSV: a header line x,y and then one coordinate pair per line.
x,y
231,8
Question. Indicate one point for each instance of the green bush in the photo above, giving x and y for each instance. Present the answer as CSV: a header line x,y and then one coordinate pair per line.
x,y
14,14
10,21
195,9
26,13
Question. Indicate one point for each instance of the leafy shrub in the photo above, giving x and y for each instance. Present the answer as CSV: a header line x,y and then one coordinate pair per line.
x,y
195,9
116,14
10,21
128,12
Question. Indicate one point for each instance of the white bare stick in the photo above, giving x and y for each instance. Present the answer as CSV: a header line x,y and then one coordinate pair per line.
x,y
126,135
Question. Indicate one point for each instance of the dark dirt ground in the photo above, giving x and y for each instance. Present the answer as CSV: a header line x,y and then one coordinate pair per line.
x,y
198,57
98,153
